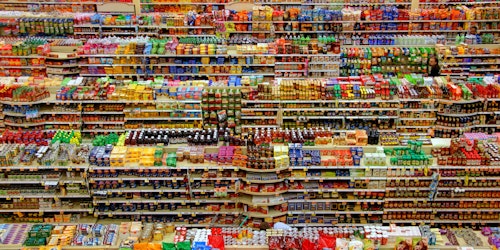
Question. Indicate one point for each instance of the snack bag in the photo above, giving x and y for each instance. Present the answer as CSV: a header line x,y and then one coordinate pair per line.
x,y
168,246
308,245
420,244
355,245
341,244
403,244
216,241
326,241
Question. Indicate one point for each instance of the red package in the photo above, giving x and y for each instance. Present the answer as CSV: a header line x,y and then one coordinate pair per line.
x,y
216,241
326,241
308,245
276,243
292,243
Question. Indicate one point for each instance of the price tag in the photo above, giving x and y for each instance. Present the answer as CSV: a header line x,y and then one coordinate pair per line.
x,y
110,214
183,203
8,198
179,215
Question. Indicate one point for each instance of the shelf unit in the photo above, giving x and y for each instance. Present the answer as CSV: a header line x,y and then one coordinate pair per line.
x,y
193,186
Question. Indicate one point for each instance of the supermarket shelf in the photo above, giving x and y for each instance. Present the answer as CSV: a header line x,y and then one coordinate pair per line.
x,y
22,67
7,113
305,168
220,74
210,190
247,117
315,190
475,55
259,126
262,181
419,110
110,65
248,201
336,200
159,110
259,109
179,212
178,167
206,65
142,190
43,182
321,178
444,199
103,122
342,4
414,127
103,112
163,119
262,193
61,66
123,178
277,170
182,3
334,212
334,223
432,222
169,201
457,3
49,210
123,75
313,117
103,130
272,213
44,196
19,56
417,119
37,167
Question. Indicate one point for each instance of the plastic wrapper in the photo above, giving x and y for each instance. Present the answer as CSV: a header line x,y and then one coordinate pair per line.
x,y
326,241
368,244
341,244
186,245
403,244
168,246
276,242
421,244
308,245
292,243
355,245
216,241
